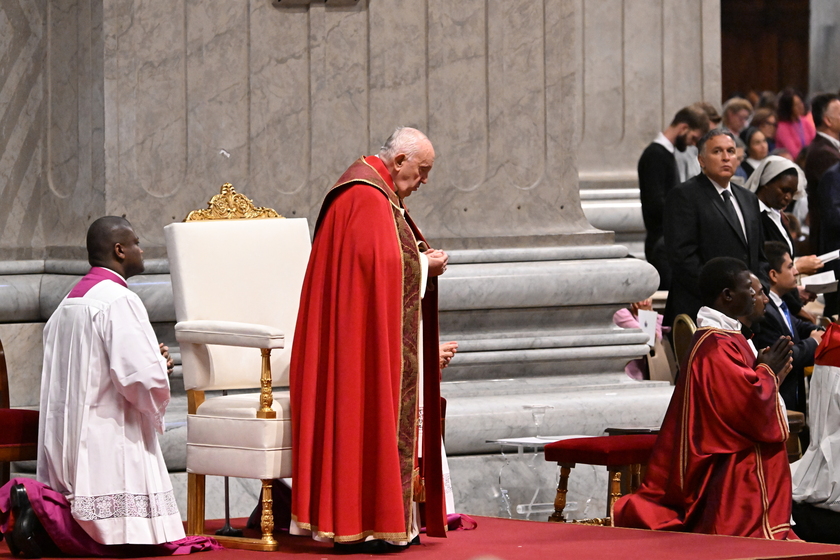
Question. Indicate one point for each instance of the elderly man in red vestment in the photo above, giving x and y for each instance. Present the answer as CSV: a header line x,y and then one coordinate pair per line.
x,y
720,465
365,370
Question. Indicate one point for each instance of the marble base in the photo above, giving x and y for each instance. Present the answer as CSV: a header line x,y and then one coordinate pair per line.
x,y
494,485
244,494
534,326
24,349
477,412
588,405
476,485
610,201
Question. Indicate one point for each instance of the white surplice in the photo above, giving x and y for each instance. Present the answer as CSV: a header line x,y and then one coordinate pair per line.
x,y
816,477
104,391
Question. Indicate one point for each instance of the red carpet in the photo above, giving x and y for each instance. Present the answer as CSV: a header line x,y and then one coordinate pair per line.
x,y
529,540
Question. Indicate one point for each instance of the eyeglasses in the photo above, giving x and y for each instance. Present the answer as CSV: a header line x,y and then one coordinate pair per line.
x,y
771,123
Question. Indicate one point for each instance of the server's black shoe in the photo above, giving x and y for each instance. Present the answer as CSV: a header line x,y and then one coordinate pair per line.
x,y
28,538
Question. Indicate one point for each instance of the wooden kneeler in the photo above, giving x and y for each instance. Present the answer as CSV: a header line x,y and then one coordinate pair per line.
x,y
19,432
614,452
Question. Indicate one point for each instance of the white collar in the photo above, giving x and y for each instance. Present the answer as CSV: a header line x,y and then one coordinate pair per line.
x,y
775,298
719,188
112,271
754,162
708,317
662,141
834,141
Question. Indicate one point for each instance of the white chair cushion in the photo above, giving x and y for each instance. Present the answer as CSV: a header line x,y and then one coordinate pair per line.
x,y
229,333
239,433
244,406
226,439
239,463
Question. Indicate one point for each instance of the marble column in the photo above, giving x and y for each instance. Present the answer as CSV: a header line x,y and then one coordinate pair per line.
x,y
641,62
824,72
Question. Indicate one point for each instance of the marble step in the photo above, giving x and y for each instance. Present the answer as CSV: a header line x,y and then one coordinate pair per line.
x,y
482,411
492,485
473,420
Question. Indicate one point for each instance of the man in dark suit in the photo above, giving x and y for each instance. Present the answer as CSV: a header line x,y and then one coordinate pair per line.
x,y
823,152
707,217
779,321
828,201
658,174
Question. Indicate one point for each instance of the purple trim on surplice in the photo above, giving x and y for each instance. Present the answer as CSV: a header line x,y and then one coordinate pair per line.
x,y
53,511
96,275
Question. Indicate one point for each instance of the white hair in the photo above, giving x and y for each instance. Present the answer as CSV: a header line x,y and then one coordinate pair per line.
x,y
404,140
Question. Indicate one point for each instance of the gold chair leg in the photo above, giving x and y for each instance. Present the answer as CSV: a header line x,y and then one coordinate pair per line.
x,y
266,396
267,519
560,497
635,477
614,493
195,504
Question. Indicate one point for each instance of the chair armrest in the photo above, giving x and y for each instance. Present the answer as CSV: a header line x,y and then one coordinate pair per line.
x,y
229,333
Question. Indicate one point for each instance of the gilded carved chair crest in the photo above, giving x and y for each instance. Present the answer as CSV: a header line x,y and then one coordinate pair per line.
x,y
230,205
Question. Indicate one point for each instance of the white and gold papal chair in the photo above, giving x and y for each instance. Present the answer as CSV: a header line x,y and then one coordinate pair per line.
x,y
237,273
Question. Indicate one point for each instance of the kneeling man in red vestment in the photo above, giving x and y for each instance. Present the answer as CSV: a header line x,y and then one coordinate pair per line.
x,y
365,364
720,465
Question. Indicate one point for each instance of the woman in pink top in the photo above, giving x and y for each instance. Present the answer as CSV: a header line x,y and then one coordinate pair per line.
x,y
796,128
628,318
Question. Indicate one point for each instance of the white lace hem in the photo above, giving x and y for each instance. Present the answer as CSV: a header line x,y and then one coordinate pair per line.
x,y
111,506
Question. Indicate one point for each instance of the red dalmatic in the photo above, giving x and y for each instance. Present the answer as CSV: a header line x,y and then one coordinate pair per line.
x,y
355,370
719,465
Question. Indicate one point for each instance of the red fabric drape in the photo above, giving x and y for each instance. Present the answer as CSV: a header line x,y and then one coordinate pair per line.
x,y
828,352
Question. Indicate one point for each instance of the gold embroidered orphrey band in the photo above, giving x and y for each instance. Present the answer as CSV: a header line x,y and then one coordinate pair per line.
x,y
230,205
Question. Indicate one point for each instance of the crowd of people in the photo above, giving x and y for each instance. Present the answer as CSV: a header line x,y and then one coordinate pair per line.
x,y
730,238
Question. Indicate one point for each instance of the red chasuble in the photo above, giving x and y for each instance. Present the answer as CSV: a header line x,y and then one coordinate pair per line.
x,y
355,372
719,465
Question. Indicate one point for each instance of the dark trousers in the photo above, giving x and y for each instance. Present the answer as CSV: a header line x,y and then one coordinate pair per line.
x,y
815,524
832,304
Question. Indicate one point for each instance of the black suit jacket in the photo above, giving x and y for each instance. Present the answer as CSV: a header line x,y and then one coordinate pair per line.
x,y
658,174
697,229
772,233
774,326
821,155
828,203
